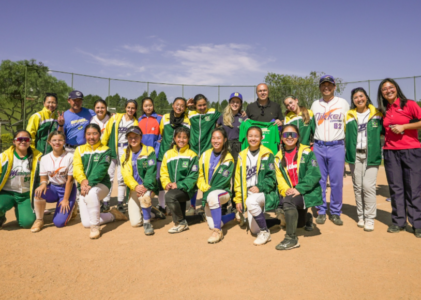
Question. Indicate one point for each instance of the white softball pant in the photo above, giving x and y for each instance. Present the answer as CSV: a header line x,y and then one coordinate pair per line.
x,y
215,201
135,206
255,206
89,207
115,165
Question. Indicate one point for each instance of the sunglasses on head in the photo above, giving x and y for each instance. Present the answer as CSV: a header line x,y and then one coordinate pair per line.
x,y
287,134
22,139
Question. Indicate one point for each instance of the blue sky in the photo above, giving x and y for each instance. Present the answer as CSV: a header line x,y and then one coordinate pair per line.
x,y
214,42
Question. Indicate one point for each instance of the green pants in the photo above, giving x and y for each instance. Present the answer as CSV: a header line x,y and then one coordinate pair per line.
x,y
22,204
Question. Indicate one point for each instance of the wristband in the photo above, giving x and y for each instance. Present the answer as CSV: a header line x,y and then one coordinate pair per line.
x,y
46,182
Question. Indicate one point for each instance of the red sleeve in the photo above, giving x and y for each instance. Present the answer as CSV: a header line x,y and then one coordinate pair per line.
x,y
415,109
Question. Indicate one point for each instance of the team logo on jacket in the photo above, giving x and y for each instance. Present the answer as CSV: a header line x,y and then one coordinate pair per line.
x,y
207,118
226,173
96,157
314,163
194,168
151,162
303,160
145,164
107,158
185,164
271,166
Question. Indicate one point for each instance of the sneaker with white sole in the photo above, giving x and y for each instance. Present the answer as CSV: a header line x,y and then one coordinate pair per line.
x,y
37,226
191,211
148,228
263,237
182,226
369,225
240,218
361,223
95,232
216,236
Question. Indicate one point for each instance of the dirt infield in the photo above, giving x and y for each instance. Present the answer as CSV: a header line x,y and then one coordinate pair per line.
x,y
332,262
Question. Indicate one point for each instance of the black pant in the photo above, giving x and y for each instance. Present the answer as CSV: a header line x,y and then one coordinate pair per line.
x,y
403,172
297,203
235,149
176,201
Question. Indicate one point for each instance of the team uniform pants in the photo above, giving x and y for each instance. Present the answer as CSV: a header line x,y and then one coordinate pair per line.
x,y
364,181
22,204
331,161
89,207
215,200
295,203
116,166
176,201
235,147
403,174
136,205
55,194
255,206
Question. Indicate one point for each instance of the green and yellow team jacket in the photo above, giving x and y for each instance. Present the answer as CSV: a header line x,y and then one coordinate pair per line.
x,y
266,178
146,168
221,178
308,177
39,126
180,166
92,163
374,128
167,133
110,135
304,129
201,129
6,160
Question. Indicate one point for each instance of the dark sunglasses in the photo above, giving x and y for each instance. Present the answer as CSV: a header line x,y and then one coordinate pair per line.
x,y
22,139
287,134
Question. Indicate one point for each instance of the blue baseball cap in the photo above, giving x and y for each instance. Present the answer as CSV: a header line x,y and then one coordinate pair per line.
x,y
75,95
327,78
236,95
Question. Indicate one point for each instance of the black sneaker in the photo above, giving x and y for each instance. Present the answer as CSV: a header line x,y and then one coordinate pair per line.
x,y
410,229
321,219
162,209
395,228
120,207
105,207
417,232
203,216
2,221
336,220
288,244
309,222
158,213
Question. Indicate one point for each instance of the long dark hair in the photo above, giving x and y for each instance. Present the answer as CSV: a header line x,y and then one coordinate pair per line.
x,y
129,148
177,131
135,103
148,99
303,110
225,147
30,153
103,102
283,161
356,90
382,102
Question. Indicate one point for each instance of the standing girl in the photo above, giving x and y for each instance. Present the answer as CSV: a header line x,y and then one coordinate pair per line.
x,y
255,185
301,117
57,185
363,154
18,177
179,173
298,177
216,168
90,169
402,155
114,136
43,122
139,173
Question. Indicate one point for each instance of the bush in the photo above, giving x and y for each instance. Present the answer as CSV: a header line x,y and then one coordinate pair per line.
x,y
6,141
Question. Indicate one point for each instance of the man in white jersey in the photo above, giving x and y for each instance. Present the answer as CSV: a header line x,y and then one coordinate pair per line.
x,y
329,147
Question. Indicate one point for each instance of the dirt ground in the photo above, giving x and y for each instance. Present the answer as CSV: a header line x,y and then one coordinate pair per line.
x,y
332,262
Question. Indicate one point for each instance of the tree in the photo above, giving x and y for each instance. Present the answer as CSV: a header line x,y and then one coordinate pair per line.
x,y
89,100
161,103
116,102
13,88
306,89
224,104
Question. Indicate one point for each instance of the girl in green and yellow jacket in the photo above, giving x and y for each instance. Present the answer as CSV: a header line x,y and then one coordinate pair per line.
x,y
301,117
114,136
215,173
255,185
364,154
43,122
139,172
298,177
90,169
18,179
179,173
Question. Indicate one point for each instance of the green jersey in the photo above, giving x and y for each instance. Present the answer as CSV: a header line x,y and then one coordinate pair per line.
x,y
270,132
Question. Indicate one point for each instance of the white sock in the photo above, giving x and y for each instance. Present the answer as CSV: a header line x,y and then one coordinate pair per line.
x,y
161,198
39,206
121,193
105,218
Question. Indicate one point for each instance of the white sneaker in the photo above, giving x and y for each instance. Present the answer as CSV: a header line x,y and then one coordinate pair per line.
x,y
369,225
179,228
262,238
361,223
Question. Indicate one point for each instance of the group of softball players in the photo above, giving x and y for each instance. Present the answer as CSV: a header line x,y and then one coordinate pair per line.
x,y
175,155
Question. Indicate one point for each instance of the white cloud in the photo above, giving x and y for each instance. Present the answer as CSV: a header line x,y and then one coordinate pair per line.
x,y
144,50
112,62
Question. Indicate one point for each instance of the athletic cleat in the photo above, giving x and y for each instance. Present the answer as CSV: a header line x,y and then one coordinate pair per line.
x,y
263,237
2,221
409,229
216,236
37,226
95,232
147,227
158,213
369,225
191,211
203,215
288,244
118,215
120,207
179,228
395,228
361,223
321,219
240,218
74,211
281,216
336,220
417,232
309,222
162,210
105,207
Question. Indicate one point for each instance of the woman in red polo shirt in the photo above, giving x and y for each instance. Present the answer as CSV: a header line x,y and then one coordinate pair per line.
x,y
402,155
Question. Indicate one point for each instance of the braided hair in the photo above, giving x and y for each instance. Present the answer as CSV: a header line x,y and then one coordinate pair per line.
x,y
283,161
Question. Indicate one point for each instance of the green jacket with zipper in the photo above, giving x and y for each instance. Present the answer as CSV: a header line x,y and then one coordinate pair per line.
x,y
201,129
167,133
306,130
40,125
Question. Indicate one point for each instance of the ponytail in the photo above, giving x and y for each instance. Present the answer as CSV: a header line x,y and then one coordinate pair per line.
x,y
305,114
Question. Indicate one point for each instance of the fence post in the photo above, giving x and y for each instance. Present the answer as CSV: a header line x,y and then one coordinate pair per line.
x,y
415,89
369,90
147,88
109,86
218,93
72,81
24,100
182,90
